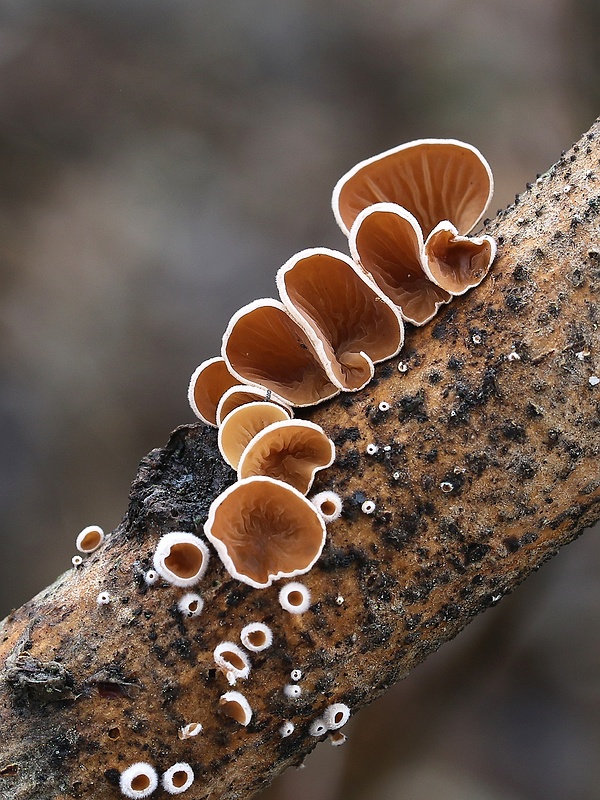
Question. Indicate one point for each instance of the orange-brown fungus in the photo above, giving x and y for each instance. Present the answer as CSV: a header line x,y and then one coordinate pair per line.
x,y
242,425
257,638
185,560
179,779
328,508
234,659
91,540
114,734
264,345
458,263
291,451
339,308
433,179
389,246
295,598
264,530
231,708
210,381
140,782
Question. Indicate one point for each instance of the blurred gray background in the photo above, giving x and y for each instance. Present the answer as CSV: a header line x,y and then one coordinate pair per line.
x,y
159,160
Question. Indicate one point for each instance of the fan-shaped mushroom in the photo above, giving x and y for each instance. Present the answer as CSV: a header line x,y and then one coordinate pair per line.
x,y
264,530
349,321
457,263
265,347
242,394
241,426
292,451
207,385
434,179
386,240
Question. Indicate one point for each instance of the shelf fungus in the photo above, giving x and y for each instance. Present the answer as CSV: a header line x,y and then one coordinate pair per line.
x,y
235,706
181,558
264,530
240,427
292,451
407,212
263,346
242,394
351,324
208,384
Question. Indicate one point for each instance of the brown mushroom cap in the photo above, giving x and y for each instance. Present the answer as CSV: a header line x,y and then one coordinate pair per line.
x,y
292,451
387,241
265,347
457,263
207,385
242,425
434,179
242,394
264,530
349,321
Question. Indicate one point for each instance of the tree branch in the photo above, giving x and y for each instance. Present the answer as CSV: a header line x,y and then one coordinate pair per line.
x,y
487,464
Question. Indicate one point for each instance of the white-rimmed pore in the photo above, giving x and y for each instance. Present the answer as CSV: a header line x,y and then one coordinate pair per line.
x,y
138,781
178,778
181,558
232,660
235,706
256,636
336,715
89,539
328,504
294,597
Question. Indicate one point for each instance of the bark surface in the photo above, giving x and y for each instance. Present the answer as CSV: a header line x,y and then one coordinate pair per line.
x,y
487,464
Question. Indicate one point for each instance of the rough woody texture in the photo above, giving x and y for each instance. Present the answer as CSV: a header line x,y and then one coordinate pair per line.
x,y
487,464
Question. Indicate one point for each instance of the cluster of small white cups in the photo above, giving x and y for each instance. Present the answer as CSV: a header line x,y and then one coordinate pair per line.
x,y
140,780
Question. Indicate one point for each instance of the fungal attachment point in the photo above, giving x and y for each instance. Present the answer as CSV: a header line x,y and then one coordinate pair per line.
x,y
337,738
256,636
190,730
138,781
181,558
446,487
77,561
294,597
89,539
178,778
191,604
235,706
372,449
328,504
384,406
232,661
264,530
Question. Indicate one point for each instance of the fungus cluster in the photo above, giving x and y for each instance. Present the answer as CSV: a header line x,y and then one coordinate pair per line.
x,y
407,214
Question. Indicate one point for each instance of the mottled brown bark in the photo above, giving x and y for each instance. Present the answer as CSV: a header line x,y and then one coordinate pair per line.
x,y
487,464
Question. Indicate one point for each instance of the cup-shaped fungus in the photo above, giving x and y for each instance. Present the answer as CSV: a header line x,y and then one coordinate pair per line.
x,y
256,636
181,558
434,179
386,240
349,321
191,604
265,347
241,426
232,661
208,384
190,730
264,530
242,394
292,451
235,706
294,597
336,716
328,504
89,539
457,263
138,781
178,778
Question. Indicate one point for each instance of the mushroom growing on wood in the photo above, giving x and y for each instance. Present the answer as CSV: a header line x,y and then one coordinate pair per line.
x,y
181,558
89,539
445,185
207,385
235,706
241,394
349,321
264,530
292,451
263,346
241,426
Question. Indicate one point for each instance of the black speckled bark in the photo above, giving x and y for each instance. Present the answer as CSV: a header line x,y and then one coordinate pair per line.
x,y
487,464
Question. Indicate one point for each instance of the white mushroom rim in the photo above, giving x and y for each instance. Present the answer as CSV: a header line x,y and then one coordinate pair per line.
x,y
181,558
89,539
287,729
191,604
294,597
264,530
336,716
256,636
317,727
138,781
235,705
328,504
178,778
232,660
190,730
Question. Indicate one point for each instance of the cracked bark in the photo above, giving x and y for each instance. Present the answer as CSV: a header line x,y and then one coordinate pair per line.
x,y
487,465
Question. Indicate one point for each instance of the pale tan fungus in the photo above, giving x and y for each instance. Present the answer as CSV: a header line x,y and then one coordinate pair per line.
x,y
292,451
457,263
265,347
207,385
434,179
181,558
241,426
235,706
349,321
242,394
387,242
89,539
264,530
